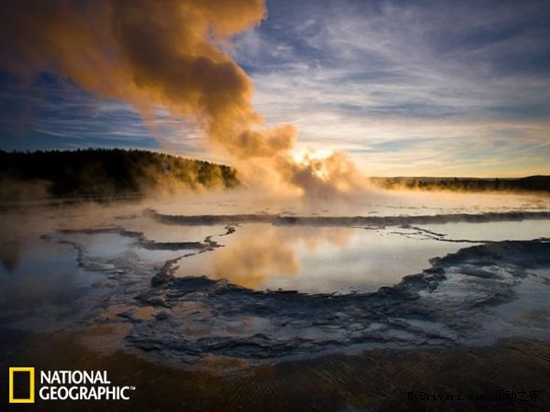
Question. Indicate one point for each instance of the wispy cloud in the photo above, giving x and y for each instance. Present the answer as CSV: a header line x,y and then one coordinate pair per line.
x,y
54,113
403,82
423,87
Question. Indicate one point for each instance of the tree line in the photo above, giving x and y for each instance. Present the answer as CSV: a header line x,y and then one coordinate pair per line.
x,y
108,172
524,184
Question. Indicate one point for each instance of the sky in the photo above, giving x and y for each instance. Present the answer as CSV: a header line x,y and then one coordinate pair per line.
x,y
405,88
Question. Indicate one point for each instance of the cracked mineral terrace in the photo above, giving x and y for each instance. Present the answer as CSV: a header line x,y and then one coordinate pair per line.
x,y
257,288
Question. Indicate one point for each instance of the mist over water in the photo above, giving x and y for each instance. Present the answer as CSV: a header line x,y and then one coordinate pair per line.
x,y
239,235
376,202
306,258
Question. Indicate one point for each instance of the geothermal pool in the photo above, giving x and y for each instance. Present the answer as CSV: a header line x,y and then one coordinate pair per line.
x,y
200,282
262,256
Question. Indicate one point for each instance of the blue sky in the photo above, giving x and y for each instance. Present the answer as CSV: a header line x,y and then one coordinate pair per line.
x,y
434,88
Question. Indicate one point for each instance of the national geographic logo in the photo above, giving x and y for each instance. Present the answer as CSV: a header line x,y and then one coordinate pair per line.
x,y
60,385
21,385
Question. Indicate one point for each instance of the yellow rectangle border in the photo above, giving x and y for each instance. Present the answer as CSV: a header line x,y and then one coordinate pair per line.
x,y
31,378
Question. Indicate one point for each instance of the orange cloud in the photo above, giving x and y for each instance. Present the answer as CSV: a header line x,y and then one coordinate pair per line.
x,y
169,53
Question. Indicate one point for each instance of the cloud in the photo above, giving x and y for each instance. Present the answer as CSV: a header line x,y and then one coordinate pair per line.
x,y
357,74
170,54
394,83
144,53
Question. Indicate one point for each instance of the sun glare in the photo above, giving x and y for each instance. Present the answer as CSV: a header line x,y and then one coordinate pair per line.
x,y
314,161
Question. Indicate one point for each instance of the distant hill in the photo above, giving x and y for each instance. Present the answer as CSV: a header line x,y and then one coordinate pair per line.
x,y
95,173
525,184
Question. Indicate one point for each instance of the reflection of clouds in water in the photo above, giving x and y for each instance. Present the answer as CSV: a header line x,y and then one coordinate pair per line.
x,y
258,252
258,255
254,258
313,237
45,274
22,227
14,238
9,255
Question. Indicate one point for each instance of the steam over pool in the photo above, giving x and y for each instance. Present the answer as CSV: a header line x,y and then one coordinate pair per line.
x,y
257,280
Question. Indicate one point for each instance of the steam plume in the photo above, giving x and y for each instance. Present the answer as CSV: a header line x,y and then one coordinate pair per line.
x,y
168,53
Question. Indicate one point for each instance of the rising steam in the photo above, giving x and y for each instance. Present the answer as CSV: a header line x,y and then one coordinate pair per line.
x,y
170,53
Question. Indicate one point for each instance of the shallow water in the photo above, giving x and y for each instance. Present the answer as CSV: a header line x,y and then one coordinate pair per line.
x,y
43,273
264,256
376,203
86,268
268,257
343,260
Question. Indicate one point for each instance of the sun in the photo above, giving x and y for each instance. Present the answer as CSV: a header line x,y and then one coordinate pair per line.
x,y
315,161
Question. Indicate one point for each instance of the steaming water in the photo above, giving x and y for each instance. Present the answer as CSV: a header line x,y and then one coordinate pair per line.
x,y
270,257
325,260
376,204
79,267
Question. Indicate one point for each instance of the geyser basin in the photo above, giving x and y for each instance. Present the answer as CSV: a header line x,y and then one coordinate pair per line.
x,y
336,259
447,304
376,203
278,285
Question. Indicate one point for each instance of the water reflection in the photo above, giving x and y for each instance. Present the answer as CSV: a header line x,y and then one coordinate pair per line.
x,y
45,275
314,259
9,254
252,261
258,253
